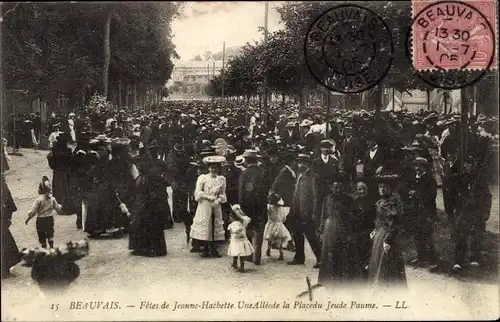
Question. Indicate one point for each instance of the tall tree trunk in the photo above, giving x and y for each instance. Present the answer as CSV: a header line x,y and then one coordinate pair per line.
x,y
134,96
113,95
283,100
107,56
120,94
141,96
126,97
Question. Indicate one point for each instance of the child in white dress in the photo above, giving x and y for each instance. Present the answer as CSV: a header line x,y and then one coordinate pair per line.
x,y
275,230
239,245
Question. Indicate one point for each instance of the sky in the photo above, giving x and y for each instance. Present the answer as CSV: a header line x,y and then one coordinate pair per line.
x,y
206,25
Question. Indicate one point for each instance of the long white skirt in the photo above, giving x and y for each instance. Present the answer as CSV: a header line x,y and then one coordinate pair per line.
x,y
202,222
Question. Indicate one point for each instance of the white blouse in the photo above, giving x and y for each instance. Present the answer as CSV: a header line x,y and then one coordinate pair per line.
x,y
206,186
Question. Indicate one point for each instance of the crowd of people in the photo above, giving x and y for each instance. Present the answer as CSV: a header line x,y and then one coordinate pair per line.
x,y
350,186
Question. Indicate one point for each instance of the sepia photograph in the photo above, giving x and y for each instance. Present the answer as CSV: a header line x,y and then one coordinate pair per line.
x,y
249,161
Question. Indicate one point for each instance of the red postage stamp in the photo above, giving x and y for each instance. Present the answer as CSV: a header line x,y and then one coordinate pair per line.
x,y
448,35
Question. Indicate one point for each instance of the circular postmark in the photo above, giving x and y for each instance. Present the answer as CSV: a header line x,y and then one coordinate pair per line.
x,y
450,44
348,49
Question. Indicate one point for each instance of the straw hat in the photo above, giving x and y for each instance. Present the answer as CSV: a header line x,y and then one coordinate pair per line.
x,y
215,159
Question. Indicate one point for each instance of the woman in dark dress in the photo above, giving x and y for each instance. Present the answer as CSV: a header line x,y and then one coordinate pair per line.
x,y
123,173
363,222
340,259
10,252
97,197
59,160
386,267
149,212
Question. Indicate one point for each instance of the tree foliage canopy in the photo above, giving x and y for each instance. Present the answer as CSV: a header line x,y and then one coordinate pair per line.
x,y
54,49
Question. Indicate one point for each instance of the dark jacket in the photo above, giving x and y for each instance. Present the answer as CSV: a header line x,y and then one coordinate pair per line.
x,y
306,198
232,175
370,165
294,138
253,188
326,171
349,152
426,190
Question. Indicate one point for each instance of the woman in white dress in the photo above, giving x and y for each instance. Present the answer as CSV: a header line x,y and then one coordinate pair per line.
x,y
210,192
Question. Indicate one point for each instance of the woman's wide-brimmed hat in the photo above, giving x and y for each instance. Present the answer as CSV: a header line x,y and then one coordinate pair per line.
x,y
103,138
420,161
214,159
325,144
250,154
121,142
388,178
306,123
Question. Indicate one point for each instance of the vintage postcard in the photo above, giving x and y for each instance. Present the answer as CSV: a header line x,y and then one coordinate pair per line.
x,y
272,160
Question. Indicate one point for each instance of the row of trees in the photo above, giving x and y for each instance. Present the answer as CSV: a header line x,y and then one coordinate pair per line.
x,y
124,51
282,58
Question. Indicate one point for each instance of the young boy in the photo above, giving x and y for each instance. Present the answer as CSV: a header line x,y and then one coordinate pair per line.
x,y
43,208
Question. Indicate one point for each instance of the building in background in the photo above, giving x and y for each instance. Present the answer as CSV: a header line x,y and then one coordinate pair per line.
x,y
190,78
415,100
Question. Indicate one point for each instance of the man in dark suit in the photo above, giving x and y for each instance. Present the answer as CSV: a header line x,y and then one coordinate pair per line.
x,y
424,188
275,165
326,166
253,189
180,183
349,154
232,174
376,156
305,211
284,186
